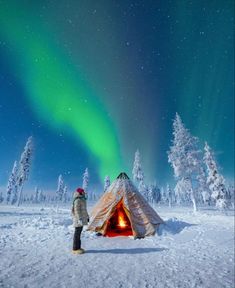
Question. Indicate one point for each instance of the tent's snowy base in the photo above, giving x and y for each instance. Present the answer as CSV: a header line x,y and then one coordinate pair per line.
x,y
190,251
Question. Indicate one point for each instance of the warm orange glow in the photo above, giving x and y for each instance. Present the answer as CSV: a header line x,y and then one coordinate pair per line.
x,y
121,221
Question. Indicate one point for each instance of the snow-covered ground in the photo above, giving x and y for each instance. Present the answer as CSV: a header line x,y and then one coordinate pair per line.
x,y
191,250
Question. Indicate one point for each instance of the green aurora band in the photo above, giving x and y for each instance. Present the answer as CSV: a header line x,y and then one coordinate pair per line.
x,y
56,90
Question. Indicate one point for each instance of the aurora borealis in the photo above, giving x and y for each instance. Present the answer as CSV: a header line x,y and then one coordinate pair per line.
x,y
93,81
60,98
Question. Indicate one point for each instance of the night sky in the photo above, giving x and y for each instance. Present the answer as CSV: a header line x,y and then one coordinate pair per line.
x,y
92,81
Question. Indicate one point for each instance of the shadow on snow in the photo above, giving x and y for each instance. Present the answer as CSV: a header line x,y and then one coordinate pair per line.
x,y
128,251
173,226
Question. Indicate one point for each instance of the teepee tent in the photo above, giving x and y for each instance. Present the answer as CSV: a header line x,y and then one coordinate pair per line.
x,y
122,210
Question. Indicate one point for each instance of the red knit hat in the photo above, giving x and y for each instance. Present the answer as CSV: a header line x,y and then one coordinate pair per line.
x,y
80,190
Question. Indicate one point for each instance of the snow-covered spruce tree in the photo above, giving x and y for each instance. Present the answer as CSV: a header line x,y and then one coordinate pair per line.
x,y
178,193
215,180
11,185
154,193
143,189
185,158
85,180
182,191
36,195
65,194
42,196
137,171
150,193
1,197
138,175
163,195
106,182
47,198
204,194
24,166
230,195
60,188
169,195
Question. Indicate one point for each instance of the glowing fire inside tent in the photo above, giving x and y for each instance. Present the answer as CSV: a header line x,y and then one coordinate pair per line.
x,y
119,223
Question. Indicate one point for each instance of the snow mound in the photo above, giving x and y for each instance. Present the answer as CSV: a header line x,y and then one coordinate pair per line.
x,y
173,226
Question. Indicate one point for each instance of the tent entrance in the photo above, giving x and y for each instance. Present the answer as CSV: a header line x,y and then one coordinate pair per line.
x,y
119,223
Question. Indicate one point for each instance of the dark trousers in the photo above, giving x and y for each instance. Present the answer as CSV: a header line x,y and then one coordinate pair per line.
x,y
76,238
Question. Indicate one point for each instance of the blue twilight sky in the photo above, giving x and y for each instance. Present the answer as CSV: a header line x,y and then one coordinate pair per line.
x,y
129,64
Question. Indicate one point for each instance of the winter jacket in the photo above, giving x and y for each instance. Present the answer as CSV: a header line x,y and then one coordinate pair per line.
x,y
80,216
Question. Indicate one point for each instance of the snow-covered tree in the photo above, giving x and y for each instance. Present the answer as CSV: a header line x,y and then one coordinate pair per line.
x,y
138,175
65,194
137,171
153,193
185,158
41,196
106,182
143,189
150,193
169,195
163,195
215,180
32,198
12,185
178,193
24,166
156,193
36,195
85,180
230,195
183,191
203,188
60,188
1,197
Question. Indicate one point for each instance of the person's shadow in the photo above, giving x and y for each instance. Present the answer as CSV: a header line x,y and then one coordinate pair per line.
x,y
127,251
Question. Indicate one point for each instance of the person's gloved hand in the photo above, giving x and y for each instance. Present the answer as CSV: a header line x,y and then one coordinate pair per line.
x,y
88,219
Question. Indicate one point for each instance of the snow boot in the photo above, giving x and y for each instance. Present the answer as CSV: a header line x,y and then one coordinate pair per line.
x,y
79,251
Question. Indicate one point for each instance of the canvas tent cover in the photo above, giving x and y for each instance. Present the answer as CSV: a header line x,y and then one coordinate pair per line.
x,y
143,218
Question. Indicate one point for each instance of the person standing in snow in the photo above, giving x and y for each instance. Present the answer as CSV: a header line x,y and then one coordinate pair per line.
x,y
80,218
